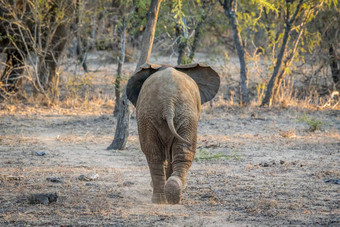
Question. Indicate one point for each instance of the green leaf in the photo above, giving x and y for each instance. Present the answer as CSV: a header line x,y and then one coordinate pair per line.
x,y
267,5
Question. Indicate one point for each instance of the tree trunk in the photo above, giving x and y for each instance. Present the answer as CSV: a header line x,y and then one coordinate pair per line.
x,y
49,61
52,44
181,53
244,71
81,52
81,47
195,42
149,33
182,44
274,80
11,76
122,133
198,29
117,87
273,83
335,65
287,62
121,61
230,11
122,130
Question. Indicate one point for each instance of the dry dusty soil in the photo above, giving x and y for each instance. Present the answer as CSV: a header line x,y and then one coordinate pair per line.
x,y
253,167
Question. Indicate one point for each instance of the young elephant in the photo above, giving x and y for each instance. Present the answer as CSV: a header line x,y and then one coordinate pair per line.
x,y
168,105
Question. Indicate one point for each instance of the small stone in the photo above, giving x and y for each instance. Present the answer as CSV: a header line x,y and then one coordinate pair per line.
x,y
220,193
264,164
333,181
90,177
83,178
115,196
54,179
282,162
40,153
128,183
207,196
43,198
91,185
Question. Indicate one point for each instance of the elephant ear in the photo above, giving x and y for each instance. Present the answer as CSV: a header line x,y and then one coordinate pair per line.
x,y
206,78
136,81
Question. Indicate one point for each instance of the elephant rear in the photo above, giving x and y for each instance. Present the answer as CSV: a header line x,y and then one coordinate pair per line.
x,y
168,110
169,99
168,104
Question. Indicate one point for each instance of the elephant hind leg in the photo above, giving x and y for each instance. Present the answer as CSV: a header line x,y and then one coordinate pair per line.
x,y
154,153
173,190
183,155
157,171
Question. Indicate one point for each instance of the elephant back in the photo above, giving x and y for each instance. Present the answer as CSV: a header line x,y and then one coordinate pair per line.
x,y
207,79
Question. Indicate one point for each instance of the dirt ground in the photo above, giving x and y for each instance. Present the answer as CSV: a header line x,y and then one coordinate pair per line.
x,y
253,167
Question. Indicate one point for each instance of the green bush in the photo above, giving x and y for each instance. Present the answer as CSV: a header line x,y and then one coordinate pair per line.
x,y
314,124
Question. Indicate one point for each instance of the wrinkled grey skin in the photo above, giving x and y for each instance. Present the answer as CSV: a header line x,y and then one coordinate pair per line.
x,y
168,110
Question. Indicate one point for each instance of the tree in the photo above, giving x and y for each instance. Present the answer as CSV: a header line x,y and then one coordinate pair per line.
x,y
230,9
303,12
121,60
37,32
182,41
122,133
205,9
334,63
183,25
82,44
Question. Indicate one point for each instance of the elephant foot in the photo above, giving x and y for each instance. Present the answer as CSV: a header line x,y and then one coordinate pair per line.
x,y
173,190
158,198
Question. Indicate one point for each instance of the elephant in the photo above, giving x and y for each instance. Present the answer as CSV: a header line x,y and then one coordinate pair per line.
x,y
168,107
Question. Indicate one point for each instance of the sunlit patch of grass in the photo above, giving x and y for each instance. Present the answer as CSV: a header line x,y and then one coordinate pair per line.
x,y
203,154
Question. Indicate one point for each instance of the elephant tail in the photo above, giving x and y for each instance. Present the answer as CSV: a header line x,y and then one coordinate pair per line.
x,y
170,121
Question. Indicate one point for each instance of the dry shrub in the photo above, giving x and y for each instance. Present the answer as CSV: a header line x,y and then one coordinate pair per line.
x,y
291,95
287,134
